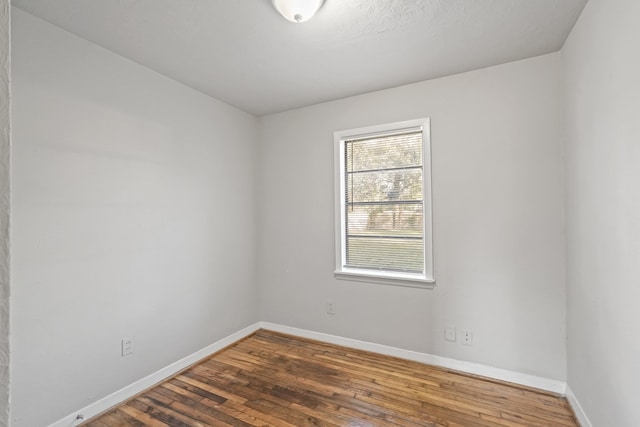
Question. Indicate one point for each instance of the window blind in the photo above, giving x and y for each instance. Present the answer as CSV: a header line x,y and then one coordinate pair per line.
x,y
383,181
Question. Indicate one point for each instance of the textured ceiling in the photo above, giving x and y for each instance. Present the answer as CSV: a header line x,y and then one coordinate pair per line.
x,y
244,53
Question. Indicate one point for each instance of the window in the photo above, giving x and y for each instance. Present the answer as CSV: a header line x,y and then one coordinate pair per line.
x,y
383,204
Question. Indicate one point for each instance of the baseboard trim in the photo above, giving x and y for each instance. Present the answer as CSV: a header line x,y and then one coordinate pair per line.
x,y
139,386
580,414
554,386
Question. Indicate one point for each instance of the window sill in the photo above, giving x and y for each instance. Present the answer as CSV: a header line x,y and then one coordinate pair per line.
x,y
386,278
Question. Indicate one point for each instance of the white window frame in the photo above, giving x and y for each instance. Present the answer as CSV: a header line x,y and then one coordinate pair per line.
x,y
424,280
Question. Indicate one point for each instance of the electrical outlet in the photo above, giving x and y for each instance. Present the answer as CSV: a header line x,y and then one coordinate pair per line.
x,y
467,337
331,308
127,346
450,333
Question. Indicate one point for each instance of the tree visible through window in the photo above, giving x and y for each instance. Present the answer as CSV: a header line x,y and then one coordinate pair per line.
x,y
382,206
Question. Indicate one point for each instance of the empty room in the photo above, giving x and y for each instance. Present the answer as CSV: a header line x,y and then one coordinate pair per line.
x,y
393,213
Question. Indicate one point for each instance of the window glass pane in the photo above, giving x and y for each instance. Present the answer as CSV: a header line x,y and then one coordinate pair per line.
x,y
391,151
388,254
385,220
405,184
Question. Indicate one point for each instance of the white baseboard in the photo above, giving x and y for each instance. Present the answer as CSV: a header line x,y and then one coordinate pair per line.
x,y
139,386
558,387
583,420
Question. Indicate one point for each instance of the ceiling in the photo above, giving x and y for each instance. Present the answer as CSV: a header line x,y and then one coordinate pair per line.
x,y
244,53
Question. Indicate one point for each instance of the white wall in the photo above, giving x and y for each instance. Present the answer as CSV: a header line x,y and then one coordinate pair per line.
x,y
5,206
134,216
498,220
602,80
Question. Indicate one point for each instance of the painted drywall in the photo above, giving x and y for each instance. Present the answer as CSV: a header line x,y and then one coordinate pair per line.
x,y
134,217
601,69
498,220
5,205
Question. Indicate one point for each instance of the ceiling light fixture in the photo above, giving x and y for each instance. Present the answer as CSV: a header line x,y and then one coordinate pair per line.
x,y
297,10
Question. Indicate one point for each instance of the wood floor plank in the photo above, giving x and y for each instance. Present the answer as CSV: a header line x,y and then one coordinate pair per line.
x,y
273,379
141,416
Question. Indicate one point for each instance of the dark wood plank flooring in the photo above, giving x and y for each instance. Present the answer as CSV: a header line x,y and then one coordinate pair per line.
x,y
271,379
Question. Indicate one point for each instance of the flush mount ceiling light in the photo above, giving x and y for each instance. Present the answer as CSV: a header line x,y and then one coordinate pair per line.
x,y
297,10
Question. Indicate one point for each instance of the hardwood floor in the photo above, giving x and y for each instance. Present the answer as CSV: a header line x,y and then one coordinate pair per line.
x,y
271,379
